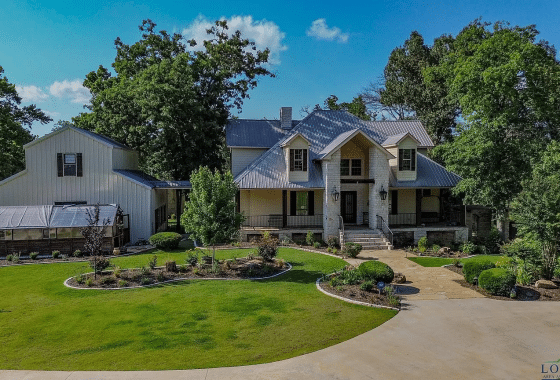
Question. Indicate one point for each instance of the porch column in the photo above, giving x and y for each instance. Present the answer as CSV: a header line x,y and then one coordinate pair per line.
x,y
331,208
284,208
418,207
379,171
178,195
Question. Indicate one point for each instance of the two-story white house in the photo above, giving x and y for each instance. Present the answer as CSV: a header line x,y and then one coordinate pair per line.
x,y
333,172
75,166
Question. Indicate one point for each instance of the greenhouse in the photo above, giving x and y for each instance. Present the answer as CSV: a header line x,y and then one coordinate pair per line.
x,y
46,228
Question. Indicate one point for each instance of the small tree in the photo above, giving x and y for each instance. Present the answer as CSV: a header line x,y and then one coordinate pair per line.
x,y
94,234
210,214
537,208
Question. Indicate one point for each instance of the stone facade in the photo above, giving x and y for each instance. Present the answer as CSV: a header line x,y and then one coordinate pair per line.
x,y
378,170
331,208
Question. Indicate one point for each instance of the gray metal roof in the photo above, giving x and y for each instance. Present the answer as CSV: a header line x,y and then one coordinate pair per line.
x,y
255,133
152,182
428,174
394,139
77,216
336,142
395,127
24,216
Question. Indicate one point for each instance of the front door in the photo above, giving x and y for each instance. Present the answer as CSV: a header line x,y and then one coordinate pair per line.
x,y
348,206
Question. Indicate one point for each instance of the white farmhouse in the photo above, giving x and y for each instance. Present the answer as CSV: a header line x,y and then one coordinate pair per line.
x,y
75,166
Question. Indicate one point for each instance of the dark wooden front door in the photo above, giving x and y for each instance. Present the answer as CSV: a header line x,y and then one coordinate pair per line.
x,y
348,206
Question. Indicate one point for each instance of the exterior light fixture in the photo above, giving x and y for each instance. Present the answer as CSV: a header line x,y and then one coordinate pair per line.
x,y
383,193
335,194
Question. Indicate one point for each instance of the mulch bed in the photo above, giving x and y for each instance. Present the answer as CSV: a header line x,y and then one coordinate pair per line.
x,y
450,255
354,292
48,259
524,292
242,268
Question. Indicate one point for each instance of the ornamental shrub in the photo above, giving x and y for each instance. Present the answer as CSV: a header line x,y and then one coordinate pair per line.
x,y
473,268
309,238
468,248
352,249
332,242
498,281
423,244
376,271
33,255
267,247
166,240
99,263
55,254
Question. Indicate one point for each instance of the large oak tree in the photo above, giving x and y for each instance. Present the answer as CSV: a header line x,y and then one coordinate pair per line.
x,y
171,104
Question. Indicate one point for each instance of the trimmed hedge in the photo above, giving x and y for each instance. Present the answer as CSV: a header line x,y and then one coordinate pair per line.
x,y
166,240
376,271
473,268
498,281
352,249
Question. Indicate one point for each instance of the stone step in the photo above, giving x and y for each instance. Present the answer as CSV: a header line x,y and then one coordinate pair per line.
x,y
357,239
351,235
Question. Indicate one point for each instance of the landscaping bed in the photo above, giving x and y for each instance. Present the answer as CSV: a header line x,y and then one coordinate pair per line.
x,y
237,268
353,292
524,292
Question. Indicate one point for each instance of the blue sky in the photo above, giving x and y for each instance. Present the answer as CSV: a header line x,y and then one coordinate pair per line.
x,y
319,48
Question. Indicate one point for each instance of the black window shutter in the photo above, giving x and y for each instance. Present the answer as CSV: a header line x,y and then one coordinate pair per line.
x,y
293,198
394,202
304,160
311,202
59,164
400,158
79,169
413,159
291,160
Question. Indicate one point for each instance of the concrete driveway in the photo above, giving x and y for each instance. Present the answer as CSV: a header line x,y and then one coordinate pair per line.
x,y
443,332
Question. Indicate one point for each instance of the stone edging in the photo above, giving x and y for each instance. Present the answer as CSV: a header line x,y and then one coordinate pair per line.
x,y
177,280
318,285
78,261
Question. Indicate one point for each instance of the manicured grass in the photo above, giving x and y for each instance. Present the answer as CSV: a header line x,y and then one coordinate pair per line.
x,y
191,324
441,261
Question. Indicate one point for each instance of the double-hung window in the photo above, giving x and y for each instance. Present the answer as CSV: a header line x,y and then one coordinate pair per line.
x,y
407,159
351,167
298,160
69,164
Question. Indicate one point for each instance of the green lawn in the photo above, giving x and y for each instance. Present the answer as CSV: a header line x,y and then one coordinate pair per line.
x,y
190,324
440,261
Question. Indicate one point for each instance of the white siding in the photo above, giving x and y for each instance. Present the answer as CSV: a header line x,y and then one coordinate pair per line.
x,y
243,157
407,175
297,176
40,184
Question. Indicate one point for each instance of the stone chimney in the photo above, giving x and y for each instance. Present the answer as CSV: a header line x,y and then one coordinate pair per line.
x,y
286,117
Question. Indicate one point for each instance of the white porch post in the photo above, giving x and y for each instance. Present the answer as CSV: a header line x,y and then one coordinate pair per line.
x,y
378,170
331,209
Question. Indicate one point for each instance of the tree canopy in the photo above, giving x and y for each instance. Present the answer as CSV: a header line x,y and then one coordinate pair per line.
x,y
356,107
15,127
172,104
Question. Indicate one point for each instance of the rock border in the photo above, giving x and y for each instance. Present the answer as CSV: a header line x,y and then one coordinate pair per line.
x,y
318,285
177,280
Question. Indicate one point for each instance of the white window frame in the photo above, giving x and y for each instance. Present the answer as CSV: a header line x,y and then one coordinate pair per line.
x,y
351,167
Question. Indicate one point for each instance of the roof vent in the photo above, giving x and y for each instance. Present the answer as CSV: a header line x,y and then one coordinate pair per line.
x,y
286,117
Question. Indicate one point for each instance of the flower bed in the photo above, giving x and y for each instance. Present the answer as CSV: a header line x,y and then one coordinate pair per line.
x,y
242,268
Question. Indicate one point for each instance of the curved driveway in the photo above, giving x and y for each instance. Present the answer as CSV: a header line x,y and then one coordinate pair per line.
x,y
472,338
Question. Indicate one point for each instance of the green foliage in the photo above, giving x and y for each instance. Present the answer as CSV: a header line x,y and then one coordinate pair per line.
x,y
117,271
435,248
152,263
468,247
352,249
192,257
171,266
89,282
393,299
78,253
473,268
79,278
267,247
34,255
498,281
376,271
171,104
491,243
166,240
122,284
99,263
210,215
317,244
15,124
526,272
367,286
350,277
332,242
309,238
9,257
557,269
357,107
160,277
55,254
107,280
145,281
423,244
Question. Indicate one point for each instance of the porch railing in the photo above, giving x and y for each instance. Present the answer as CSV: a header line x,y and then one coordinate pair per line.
x,y
277,221
409,219
382,225
406,219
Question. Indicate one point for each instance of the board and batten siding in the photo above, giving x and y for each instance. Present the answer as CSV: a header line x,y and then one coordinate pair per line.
x,y
243,157
39,183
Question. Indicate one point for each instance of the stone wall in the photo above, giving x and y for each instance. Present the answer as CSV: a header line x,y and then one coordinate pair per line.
x,y
379,170
331,208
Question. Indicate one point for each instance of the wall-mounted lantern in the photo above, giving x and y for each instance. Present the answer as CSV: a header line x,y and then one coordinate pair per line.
x,y
335,194
383,193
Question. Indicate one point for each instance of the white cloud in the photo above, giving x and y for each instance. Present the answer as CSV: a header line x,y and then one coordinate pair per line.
x,y
320,30
31,93
52,114
72,90
265,34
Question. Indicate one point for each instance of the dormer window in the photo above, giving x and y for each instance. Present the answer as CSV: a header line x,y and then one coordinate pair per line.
x,y
351,167
298,160
69,164
407,159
